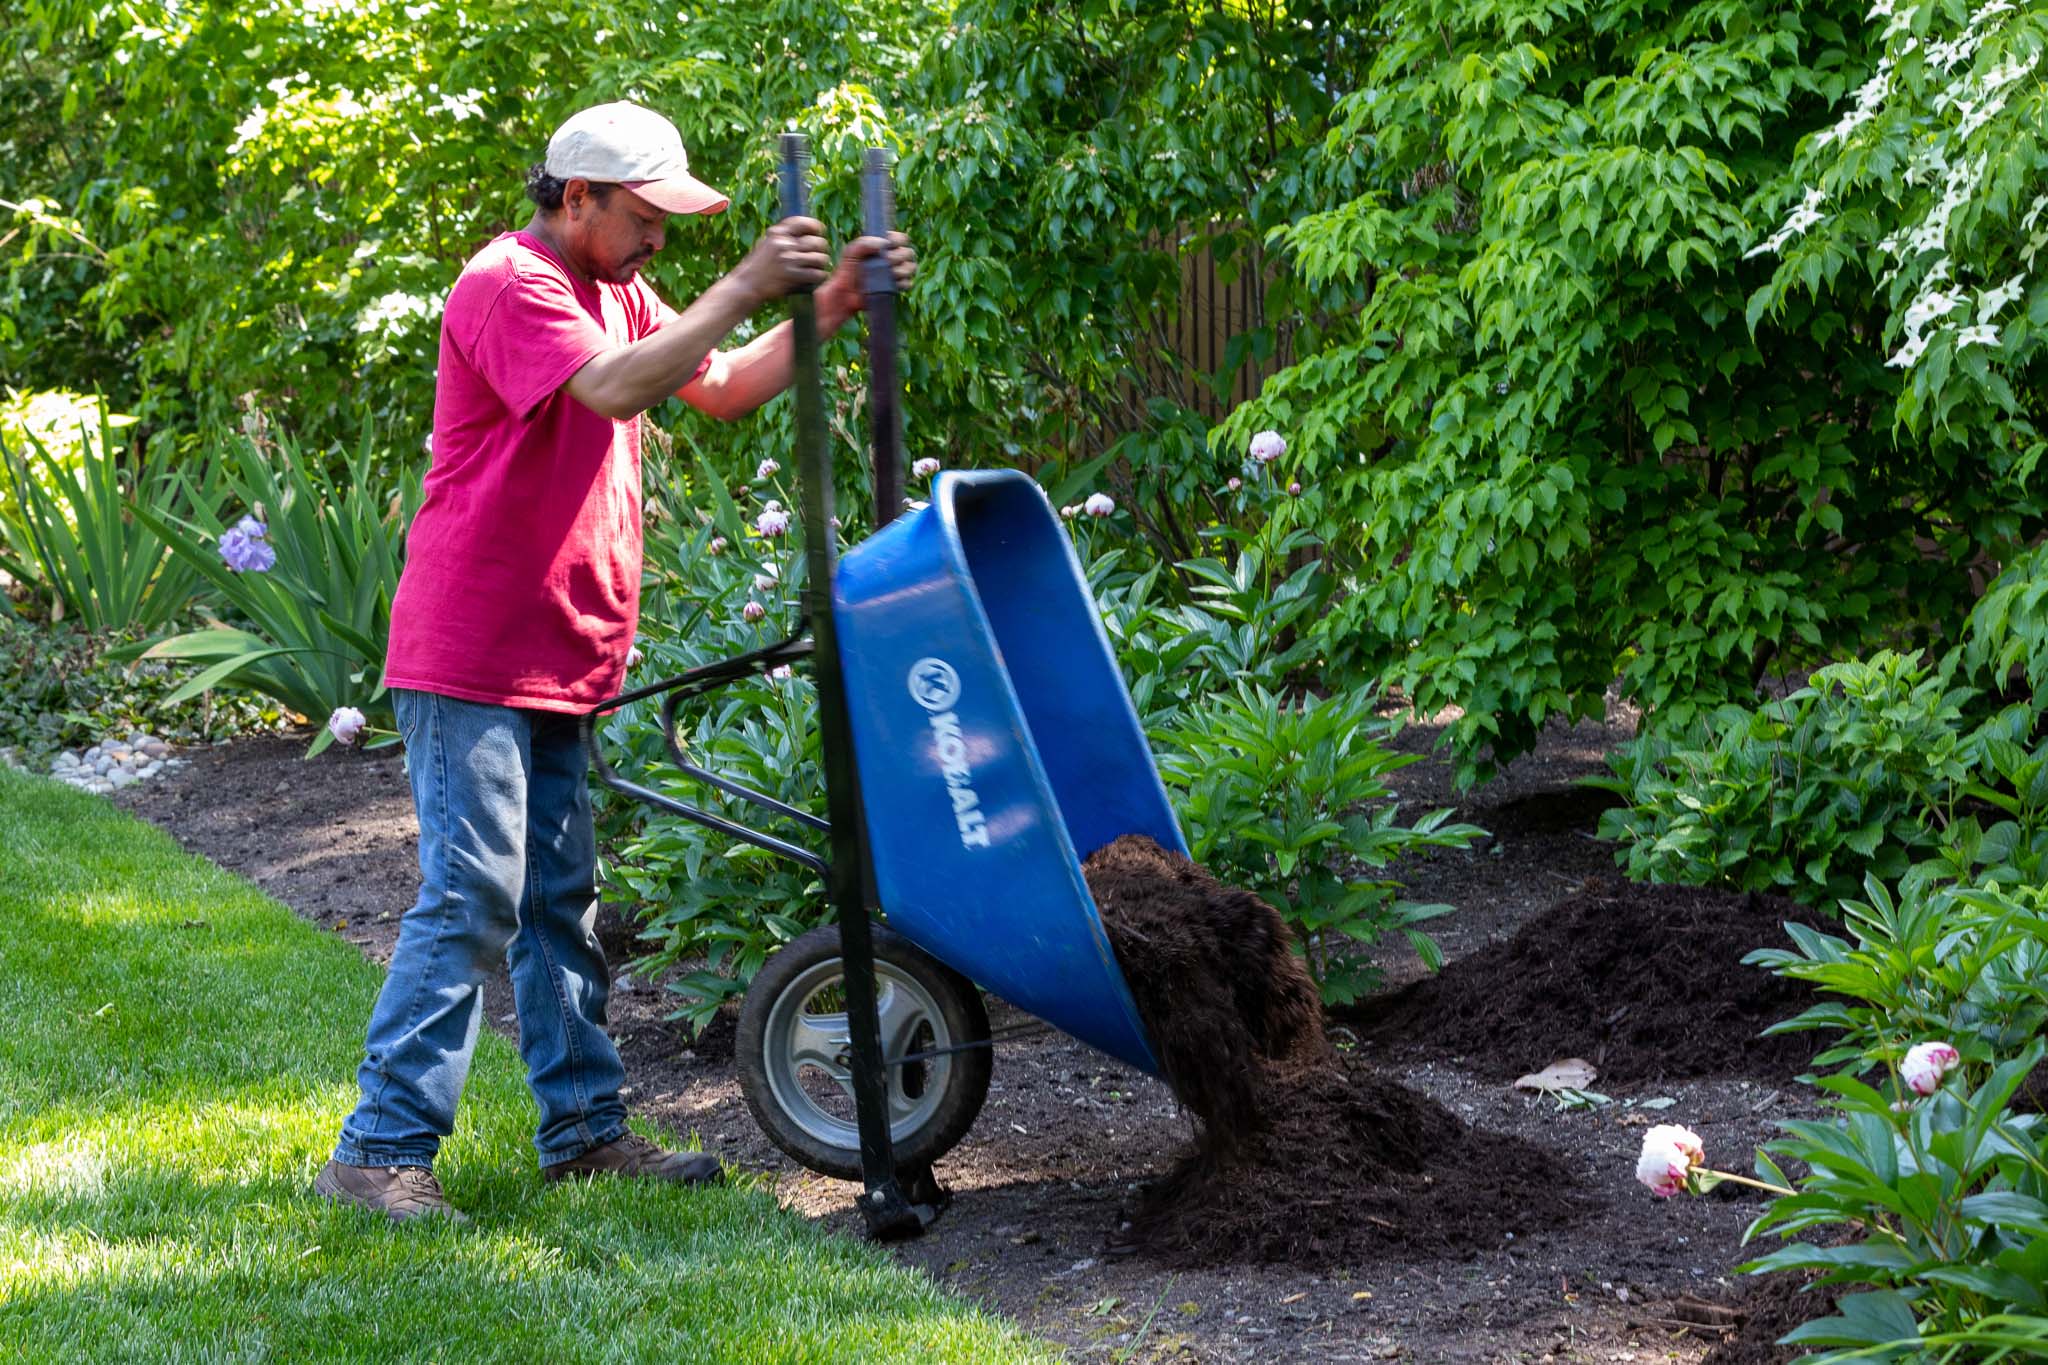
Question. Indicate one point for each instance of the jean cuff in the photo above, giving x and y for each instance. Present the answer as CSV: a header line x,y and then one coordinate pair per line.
x,y
348,1154
548,1159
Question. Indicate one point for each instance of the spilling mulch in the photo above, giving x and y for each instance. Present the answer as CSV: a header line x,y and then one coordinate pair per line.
x,y
1298,1157
1645,982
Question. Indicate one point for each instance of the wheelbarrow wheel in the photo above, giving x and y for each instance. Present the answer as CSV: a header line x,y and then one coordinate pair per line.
x,y
795,1052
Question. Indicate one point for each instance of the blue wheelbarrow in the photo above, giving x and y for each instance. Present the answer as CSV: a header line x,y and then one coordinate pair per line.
x,y
977,741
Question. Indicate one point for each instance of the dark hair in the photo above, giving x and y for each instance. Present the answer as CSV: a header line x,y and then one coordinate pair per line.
x,y
546,191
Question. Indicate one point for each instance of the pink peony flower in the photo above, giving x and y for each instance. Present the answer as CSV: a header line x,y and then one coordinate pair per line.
x,y
717,545
766,469
346,723
1268,446
753,611
1099,505
1235,484
1926,1064
772,522
764,582
1669,1154
924,468
781,671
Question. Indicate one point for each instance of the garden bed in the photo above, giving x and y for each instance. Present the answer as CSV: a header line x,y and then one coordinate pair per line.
x,y
1053,1172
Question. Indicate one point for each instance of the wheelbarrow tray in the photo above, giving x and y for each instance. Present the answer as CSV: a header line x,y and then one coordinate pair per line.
x,y
995,744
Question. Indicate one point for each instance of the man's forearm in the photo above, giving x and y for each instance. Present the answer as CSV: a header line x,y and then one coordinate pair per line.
x,y
741,380
629,380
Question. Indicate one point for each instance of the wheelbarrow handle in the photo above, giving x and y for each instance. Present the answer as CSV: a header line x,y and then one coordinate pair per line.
x,y
878,283
792,184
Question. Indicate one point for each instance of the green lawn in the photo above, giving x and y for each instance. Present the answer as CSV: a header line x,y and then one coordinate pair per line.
x,y
176,1052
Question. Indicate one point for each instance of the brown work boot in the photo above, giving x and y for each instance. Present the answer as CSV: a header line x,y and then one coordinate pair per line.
x,y
399,1193
633,1155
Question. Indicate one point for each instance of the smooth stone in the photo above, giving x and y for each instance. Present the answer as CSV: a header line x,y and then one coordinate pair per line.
x,y
151,771
103,766
92,753
156,748
121,777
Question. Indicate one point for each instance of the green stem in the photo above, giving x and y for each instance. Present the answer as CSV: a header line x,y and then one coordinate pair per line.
x,y
1719,1176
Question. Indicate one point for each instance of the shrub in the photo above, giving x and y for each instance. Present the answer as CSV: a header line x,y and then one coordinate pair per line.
x,y
1276,797
1946,1194
1880,766
70,528
706,902
314,624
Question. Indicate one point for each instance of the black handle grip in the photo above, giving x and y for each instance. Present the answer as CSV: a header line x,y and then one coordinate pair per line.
x,y
878,219
795,190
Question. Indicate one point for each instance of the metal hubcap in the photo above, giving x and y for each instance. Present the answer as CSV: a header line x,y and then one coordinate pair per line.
x,y
809,1053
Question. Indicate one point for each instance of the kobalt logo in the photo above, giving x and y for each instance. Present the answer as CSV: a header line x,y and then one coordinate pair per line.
x,y
935,686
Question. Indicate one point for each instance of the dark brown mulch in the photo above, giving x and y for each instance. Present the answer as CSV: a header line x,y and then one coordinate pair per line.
x,y
1352,1166
1297,1158
1645,982
1213,972
1771,1306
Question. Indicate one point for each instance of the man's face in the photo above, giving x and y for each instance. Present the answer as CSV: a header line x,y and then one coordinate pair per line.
x,y
613,239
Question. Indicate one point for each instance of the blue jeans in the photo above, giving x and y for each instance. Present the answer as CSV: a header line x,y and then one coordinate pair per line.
x,y
507,873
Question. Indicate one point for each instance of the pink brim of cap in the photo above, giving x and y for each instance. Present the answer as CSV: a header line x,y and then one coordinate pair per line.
x,y
679,194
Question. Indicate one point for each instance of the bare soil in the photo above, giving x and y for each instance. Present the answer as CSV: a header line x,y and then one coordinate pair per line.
x,y
1048,1183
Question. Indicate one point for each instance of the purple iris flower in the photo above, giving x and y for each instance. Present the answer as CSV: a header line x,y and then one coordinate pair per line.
x,y
244,548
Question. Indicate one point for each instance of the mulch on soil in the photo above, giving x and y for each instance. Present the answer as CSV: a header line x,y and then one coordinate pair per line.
x,y
1645,982
1298,1157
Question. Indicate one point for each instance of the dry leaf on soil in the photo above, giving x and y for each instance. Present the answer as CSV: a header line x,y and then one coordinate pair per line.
x,y
1573,1073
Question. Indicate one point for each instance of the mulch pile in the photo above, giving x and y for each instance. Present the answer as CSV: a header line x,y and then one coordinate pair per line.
x,y
1298,1157
1645,982
1771,1306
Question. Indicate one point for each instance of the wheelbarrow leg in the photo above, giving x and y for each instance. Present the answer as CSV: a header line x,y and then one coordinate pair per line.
x,y
890,1214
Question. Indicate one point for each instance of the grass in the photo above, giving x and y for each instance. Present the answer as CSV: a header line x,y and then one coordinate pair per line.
x,y
176,1054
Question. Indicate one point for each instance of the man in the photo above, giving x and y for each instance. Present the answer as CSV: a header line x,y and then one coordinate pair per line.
x,y
515,612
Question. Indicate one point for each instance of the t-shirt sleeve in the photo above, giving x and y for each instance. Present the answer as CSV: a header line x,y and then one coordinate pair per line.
x,y
525,338
654,314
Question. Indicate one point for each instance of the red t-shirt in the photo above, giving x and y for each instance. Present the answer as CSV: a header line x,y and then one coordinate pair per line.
x,y
522,574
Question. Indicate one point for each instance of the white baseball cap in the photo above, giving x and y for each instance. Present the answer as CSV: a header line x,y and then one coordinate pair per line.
x,y
627,145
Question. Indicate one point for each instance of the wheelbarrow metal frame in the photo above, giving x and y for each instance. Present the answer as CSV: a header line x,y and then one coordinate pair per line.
x,y
895,1204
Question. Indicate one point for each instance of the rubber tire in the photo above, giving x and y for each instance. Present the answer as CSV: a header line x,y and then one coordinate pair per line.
x,y
960,1006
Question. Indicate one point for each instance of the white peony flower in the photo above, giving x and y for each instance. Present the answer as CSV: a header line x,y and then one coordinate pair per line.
x,y
346,723
1669,1155
1926,1064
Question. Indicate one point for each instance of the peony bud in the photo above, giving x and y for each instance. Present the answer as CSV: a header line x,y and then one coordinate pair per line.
x,y
753,611
633,656
1293,490
1926,1064
764,582
1235,484
1268,446
772,522
1669,1154
346,723
717,545
924,468
766,469
1070,511
1099,505
781,671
